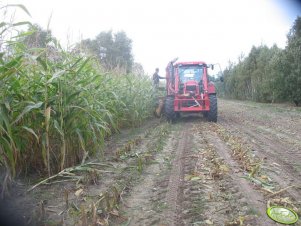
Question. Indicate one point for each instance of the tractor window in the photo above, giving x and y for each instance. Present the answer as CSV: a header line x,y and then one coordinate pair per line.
x,y
190,73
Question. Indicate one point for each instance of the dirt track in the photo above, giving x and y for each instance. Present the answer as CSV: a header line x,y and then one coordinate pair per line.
x,y
207,182
274,133
188,173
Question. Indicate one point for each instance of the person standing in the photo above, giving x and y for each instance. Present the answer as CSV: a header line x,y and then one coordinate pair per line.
x,y
156,78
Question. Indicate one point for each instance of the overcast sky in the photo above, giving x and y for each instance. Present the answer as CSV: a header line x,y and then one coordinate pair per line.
x,y
214,31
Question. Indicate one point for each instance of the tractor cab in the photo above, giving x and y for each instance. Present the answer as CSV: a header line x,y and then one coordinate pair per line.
x,y
190,79
190,73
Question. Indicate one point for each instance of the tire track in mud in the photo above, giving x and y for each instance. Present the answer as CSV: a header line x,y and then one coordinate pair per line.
x,y
279,132
255,199
156,198
291,152
273,151
182,187
174,191
209,194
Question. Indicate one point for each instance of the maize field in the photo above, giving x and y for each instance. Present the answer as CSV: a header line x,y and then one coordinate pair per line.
x,y
58,107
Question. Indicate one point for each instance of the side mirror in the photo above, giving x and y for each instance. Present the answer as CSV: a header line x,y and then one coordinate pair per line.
x,y
221,79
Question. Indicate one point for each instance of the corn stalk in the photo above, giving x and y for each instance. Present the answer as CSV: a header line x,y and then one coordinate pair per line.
x,y
57,107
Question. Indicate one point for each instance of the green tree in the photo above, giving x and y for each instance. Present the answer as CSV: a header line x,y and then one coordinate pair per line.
x,y
267,74
276,76
293,60
39,38
114,51
258,77
138,69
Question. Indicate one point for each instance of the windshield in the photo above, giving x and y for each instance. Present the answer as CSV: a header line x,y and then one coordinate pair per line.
x,y
190,73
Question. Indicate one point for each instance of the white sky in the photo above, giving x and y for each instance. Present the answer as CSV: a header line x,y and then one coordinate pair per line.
x,y
214,31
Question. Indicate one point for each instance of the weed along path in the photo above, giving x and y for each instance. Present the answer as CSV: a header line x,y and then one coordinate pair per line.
x,y
191,172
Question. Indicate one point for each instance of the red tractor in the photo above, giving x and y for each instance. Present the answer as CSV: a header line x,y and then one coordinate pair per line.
x,y
189,90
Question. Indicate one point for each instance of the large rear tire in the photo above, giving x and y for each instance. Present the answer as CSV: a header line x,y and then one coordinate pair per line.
x,y
212,113
169,109
205,114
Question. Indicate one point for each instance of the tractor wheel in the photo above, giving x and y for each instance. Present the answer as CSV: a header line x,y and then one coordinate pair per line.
x,y
212,113
169,109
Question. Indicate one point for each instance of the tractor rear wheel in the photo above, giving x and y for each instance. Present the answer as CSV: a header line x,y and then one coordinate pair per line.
x,y
212,113
169,109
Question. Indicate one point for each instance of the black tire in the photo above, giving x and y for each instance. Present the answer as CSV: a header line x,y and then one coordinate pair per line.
x,y
169,109
212,113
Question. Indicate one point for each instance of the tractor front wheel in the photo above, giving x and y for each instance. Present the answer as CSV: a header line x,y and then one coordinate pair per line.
x,y
169,109
212,113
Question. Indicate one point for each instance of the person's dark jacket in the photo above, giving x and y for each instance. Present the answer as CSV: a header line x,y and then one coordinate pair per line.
x,y
156,78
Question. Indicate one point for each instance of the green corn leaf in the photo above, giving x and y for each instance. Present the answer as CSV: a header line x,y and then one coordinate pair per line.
x,y
56,75
6,103
58,128
1,56
21,23
5,119
9,151
19,6
27,109
31,131
2,24
2,32
7,73
83,65
76,62
104,127
72,97
81,139
43,63
24,34
11,64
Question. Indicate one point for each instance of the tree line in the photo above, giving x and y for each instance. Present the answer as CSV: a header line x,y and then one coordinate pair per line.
x,y
267,74
113,51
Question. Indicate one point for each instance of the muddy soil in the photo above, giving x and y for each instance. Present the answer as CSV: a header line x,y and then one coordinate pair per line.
x,y
191,172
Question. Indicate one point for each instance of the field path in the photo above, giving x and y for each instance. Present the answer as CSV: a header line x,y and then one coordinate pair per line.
x,y
191,172
206,181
